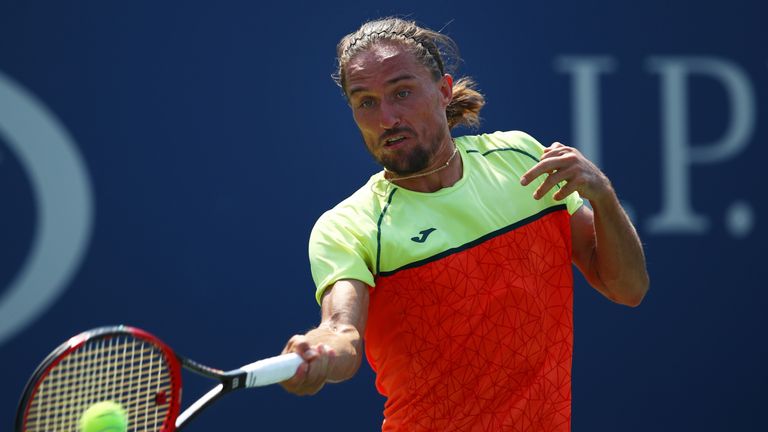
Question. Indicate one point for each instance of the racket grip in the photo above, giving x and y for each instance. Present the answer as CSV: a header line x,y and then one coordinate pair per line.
x,y
271,370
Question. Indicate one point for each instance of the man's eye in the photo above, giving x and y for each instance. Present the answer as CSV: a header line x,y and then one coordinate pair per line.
x,y
366,103
402,94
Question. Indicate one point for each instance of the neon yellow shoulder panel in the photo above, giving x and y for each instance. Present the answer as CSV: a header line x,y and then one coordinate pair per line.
x,y
382,227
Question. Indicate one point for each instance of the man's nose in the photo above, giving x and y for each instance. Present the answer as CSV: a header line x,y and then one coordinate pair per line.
x,y
389,116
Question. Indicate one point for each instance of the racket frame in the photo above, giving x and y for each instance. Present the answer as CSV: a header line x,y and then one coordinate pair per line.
x,y
262,372
107,332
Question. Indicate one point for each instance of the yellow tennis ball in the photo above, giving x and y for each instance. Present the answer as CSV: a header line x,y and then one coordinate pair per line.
x,y
104,417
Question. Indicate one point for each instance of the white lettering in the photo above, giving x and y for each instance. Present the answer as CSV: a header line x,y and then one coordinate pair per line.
x,y
677,215
585,95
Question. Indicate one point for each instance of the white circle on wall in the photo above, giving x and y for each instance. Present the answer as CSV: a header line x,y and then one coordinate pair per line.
x,y
64,206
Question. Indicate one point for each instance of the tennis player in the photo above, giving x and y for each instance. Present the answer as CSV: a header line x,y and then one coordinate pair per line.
x,y
454,263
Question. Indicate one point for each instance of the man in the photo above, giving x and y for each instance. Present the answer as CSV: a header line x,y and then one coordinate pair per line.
x,y
454,263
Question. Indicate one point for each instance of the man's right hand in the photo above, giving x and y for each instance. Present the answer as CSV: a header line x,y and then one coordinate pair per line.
x,y
311,375
333,351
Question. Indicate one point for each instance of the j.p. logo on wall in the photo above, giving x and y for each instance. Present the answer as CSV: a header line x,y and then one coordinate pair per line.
x,y
680,155
63,206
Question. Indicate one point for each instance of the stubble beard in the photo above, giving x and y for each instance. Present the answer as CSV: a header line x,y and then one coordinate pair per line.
x,y
411,160
414,161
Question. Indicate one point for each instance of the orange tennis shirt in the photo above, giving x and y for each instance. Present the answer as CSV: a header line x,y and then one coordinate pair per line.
x,y
470,319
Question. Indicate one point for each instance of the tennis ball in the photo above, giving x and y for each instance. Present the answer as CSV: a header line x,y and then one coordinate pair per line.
x,y
104,417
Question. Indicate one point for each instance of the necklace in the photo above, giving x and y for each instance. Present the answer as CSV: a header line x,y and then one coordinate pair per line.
x,y
441,167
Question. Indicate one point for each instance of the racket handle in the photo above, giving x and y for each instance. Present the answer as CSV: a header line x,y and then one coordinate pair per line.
x,y
271,370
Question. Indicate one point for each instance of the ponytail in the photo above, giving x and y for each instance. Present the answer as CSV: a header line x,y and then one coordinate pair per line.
x,y
464,108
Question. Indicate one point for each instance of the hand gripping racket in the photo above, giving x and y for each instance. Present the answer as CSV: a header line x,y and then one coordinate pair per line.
x,y
135,369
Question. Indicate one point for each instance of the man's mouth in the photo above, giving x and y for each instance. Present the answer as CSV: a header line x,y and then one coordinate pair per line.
x,y
394,140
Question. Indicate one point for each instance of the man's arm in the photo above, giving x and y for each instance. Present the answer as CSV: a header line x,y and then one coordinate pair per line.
x,y
606,247
607,251
334,350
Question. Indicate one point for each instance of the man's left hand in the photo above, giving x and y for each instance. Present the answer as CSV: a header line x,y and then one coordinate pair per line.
x,y
563,163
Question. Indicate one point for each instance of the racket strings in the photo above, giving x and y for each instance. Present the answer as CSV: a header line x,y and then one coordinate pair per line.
x,y
123,369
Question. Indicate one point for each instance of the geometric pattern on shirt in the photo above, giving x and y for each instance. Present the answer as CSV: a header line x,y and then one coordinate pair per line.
x,y
480,338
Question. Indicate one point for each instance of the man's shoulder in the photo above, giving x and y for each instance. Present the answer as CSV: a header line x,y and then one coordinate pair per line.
x,y
360,209
517,141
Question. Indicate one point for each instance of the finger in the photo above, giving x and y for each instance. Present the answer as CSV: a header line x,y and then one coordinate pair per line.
x,y
547,166
569,188
330,351
551,181
321,361
553,146
317,372
300,346
309,390
297,344
325,349
555,152
309,377
300,375
296,382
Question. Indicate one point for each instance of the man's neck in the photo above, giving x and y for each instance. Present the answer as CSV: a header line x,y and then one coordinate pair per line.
x,y
445,173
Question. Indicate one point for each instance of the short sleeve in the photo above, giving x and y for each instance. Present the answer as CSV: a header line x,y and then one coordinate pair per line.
x,y
338,251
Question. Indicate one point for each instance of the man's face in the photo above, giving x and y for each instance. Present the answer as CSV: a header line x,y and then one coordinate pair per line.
x,y
398,107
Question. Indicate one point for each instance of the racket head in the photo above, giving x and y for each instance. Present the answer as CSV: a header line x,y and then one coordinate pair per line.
x,y
117,363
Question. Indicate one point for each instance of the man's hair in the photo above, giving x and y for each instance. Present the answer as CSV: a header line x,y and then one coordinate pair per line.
x,y
436,51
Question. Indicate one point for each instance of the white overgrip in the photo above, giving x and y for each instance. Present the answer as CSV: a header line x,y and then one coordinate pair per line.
x,y
271,370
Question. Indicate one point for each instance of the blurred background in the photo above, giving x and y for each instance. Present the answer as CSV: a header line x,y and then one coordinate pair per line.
x,y
162,165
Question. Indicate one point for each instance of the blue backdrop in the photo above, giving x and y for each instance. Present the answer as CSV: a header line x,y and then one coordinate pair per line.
x,y
162,164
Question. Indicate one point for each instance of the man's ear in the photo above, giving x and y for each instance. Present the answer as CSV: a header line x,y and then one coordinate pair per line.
x,y
446,88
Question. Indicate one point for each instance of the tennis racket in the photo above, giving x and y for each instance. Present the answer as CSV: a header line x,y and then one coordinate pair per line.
x,y
135,369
